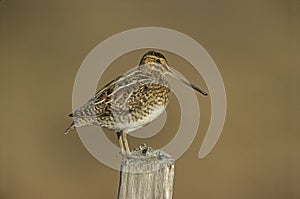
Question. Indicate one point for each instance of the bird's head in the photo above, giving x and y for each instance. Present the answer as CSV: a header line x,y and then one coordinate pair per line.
x,y
155,61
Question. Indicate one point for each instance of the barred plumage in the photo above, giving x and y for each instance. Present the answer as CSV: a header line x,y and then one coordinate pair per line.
x,y
130,101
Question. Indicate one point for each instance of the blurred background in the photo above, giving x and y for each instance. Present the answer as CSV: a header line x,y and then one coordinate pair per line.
x,y
255,45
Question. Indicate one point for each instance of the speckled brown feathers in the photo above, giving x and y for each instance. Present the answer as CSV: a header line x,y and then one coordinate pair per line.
x,y
126,103
130,101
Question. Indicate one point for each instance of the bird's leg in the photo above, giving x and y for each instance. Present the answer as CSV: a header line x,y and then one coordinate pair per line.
x,y
125,142
120,139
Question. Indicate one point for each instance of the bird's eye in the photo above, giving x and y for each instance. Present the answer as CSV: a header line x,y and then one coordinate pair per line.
x,y
158,61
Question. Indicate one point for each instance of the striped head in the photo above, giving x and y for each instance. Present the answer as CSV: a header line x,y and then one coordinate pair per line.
x,y
156,62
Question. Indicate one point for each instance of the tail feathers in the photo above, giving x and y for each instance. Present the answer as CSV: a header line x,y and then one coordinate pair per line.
x,y
72,126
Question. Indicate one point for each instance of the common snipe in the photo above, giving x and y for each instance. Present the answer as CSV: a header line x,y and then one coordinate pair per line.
x,y
130,101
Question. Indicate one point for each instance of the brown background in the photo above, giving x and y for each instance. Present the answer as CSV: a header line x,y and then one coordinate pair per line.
x,y
254,43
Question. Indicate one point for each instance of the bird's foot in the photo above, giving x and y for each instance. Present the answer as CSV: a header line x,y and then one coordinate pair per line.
x,y
125,154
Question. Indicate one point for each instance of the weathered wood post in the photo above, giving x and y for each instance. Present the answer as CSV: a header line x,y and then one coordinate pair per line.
x,y
147,174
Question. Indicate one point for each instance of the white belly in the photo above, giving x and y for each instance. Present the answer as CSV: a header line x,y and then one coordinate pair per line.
x,y
134,125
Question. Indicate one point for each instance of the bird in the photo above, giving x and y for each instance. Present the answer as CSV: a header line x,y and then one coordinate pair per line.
x,y
132,100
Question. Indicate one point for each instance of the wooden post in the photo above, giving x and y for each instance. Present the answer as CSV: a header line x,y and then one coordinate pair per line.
x,y
146,174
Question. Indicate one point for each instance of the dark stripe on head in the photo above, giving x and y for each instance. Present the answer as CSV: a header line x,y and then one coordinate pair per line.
x,y
152,53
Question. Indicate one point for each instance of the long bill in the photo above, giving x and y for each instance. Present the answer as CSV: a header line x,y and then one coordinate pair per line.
x,y
176,76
